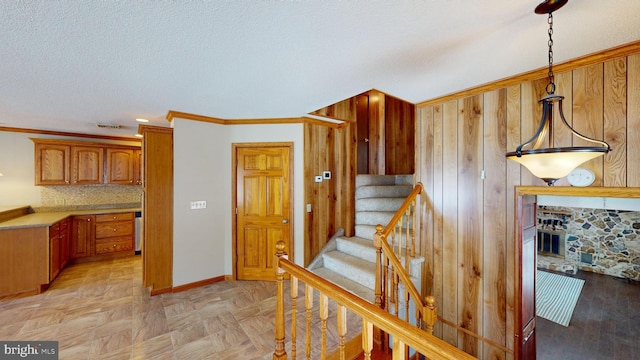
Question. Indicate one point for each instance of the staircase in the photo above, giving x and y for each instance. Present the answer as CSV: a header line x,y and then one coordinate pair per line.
x,y
350,261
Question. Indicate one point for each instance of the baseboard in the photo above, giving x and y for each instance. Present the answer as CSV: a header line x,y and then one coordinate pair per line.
x,y
197,284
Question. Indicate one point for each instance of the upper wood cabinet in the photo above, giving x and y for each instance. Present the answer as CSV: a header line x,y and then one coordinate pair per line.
x,y
52,164
120,166
87,165
137,167
61,162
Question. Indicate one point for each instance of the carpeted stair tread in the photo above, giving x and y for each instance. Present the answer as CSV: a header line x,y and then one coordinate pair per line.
x,y
380,204
347,284
356,269
362,180
376,191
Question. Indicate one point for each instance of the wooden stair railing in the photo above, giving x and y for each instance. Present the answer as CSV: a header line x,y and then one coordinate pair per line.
x,y
397,241
394,242
372,316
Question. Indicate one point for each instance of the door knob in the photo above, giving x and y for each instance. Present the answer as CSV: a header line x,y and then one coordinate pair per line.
x,y
285,221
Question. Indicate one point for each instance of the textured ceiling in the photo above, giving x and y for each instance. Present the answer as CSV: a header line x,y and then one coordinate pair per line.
x,y
69,65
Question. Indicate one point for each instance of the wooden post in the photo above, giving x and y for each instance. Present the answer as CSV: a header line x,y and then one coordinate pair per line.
x,y
430,313
378,336
279,352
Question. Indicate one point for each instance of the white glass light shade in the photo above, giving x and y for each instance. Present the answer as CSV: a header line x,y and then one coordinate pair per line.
x,y
555,163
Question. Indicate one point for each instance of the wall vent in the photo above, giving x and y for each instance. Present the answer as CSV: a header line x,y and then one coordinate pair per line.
x,y
109,126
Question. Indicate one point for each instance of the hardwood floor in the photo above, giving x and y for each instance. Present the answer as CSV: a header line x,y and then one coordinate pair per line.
x,y
605,323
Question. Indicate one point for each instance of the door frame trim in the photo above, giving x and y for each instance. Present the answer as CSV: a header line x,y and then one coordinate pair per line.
x,y
596,191
234,201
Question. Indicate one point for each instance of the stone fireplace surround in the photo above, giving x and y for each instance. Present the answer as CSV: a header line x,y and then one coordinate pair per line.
x,y
603,241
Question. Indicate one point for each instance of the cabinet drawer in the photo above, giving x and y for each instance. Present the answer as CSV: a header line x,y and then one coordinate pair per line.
x,y
114,229
113,245
114,217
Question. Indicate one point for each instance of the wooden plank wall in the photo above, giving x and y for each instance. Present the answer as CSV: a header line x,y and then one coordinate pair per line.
x,y
391,151
468,221
399,118
332,201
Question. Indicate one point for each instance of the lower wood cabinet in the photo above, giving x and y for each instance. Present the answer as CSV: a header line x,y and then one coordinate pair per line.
x,y
102,234
58,247
82,236
114,233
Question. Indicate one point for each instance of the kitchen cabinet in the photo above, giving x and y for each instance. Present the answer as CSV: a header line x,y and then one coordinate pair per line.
x,y
65,242
120,166
82,236
114,233
58,247
137,167
87,165
54,251
52,164
62,162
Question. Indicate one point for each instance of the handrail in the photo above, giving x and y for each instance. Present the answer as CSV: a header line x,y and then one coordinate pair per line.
x,y
418,339
383,248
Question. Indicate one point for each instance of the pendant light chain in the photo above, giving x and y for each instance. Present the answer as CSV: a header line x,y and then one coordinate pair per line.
x,y
551,86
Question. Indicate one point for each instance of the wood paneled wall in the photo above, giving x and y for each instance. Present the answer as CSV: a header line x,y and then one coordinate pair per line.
x,y
391,151
399,119
332,201
467,210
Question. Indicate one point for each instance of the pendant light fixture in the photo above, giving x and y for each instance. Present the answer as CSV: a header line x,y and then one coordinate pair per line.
x,y
551,163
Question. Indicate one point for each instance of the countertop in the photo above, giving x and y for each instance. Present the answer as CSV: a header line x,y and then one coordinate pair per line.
x,y
39,219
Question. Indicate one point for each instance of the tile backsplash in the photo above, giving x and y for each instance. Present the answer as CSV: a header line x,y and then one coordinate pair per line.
x,y
90,195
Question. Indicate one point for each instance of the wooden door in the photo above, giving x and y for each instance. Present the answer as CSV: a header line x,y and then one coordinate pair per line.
x,y
263,205
87,165
526,295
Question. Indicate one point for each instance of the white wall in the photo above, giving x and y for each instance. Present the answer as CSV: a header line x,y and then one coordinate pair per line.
x,y
203,171
17,166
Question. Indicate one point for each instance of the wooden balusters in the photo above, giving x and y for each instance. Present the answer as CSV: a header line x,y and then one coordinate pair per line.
x,y
367,339
294,312
279,353
342,329
323,311
308,303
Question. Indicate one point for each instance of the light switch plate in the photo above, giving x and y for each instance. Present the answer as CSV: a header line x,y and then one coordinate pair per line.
x,y
326,174
318,178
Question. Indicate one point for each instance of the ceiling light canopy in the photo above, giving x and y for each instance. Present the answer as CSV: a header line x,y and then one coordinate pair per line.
x,y
551,163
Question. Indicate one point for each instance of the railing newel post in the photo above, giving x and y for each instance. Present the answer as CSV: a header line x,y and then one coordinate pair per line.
x,y
279,353
430,313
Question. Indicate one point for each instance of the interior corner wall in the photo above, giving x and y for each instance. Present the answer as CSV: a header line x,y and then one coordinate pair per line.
x,y
201,165
203,171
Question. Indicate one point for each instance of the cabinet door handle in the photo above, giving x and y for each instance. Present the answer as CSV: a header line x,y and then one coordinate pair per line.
x,y
114,229
114,246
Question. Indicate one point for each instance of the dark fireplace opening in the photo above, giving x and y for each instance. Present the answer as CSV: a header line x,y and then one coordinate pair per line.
x,y
551,243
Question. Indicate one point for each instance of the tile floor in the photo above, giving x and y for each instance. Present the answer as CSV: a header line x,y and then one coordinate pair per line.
x,y
100,310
